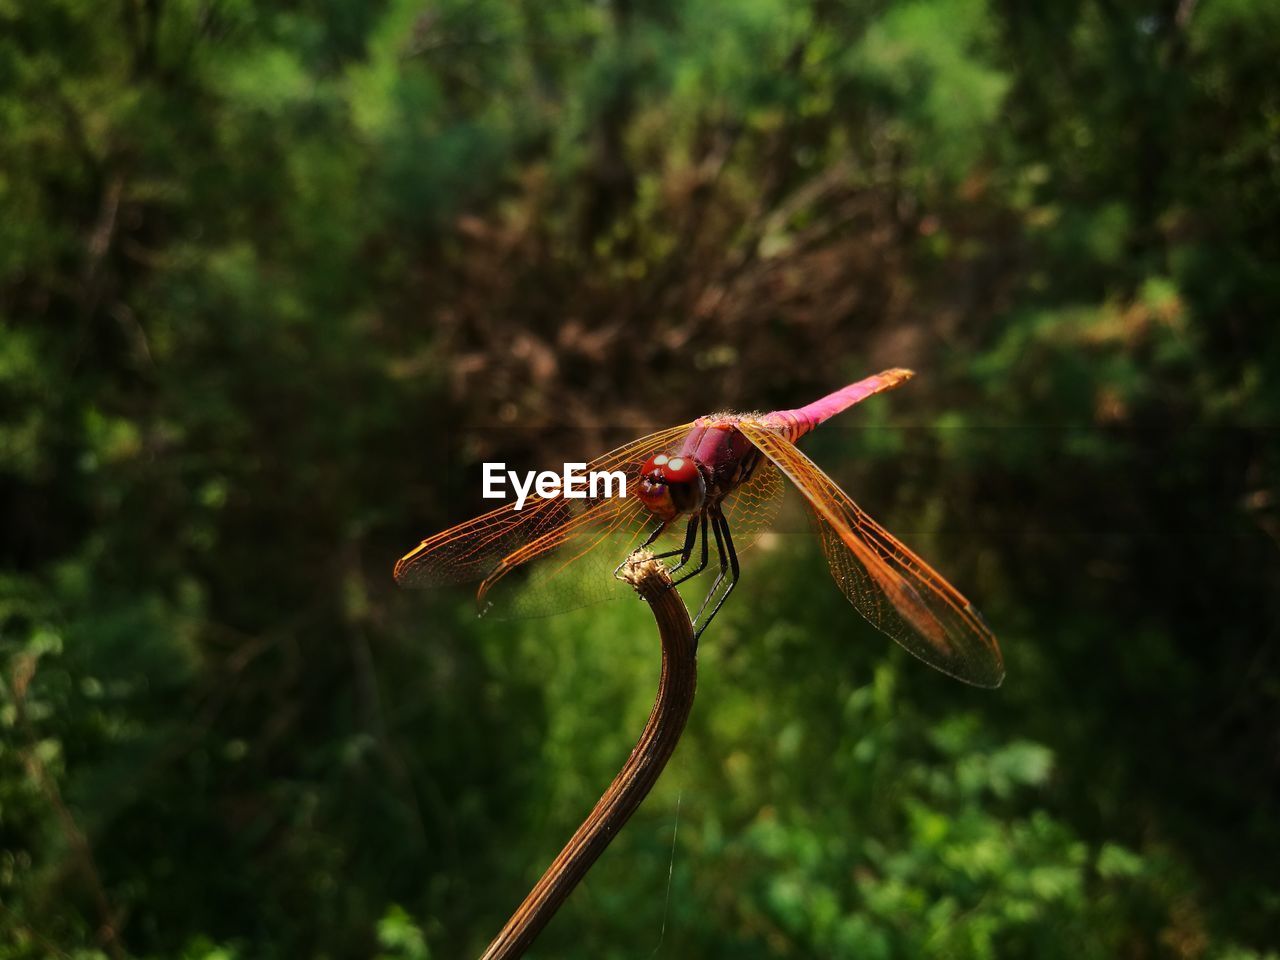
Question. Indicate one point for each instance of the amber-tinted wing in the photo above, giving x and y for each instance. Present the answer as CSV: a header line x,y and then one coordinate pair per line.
x,y
893,588
579,571
751,508
573,566
568,546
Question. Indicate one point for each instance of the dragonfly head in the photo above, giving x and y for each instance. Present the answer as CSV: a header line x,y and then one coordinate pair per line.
x,y
670,486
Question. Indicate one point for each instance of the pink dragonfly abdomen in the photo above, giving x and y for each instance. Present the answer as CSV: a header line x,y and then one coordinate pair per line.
x,y
794,424
716,443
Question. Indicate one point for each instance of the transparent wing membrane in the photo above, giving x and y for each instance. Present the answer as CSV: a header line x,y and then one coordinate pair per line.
x,y
752,507
890,586
561,545
576,570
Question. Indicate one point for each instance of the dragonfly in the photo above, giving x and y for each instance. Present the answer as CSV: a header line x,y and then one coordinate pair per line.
x,y
718,479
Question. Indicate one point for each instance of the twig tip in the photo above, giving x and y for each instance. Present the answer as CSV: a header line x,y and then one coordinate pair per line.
x,y
646,574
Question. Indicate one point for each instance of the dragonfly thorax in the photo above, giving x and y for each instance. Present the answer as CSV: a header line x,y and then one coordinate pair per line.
x,y
670,486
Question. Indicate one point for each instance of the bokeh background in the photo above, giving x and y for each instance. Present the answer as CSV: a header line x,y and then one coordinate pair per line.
x,y
275,278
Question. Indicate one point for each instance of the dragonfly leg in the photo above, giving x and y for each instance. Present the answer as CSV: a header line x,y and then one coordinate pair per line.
x,y
686,550
729,559
702,564
724,568
657,532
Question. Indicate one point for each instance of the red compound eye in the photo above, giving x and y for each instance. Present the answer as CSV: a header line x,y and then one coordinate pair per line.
x,y
681,470
652,466
671,485
670,469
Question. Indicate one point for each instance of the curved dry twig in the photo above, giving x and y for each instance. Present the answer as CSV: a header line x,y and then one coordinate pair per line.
x,y
676,688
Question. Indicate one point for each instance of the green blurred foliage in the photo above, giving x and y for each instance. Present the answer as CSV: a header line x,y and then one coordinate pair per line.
x,y
275,278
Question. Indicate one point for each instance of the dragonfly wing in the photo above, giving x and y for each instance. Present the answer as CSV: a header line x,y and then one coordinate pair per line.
x,y
551,537
579,570
573,567
894,589
575,563
751,508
